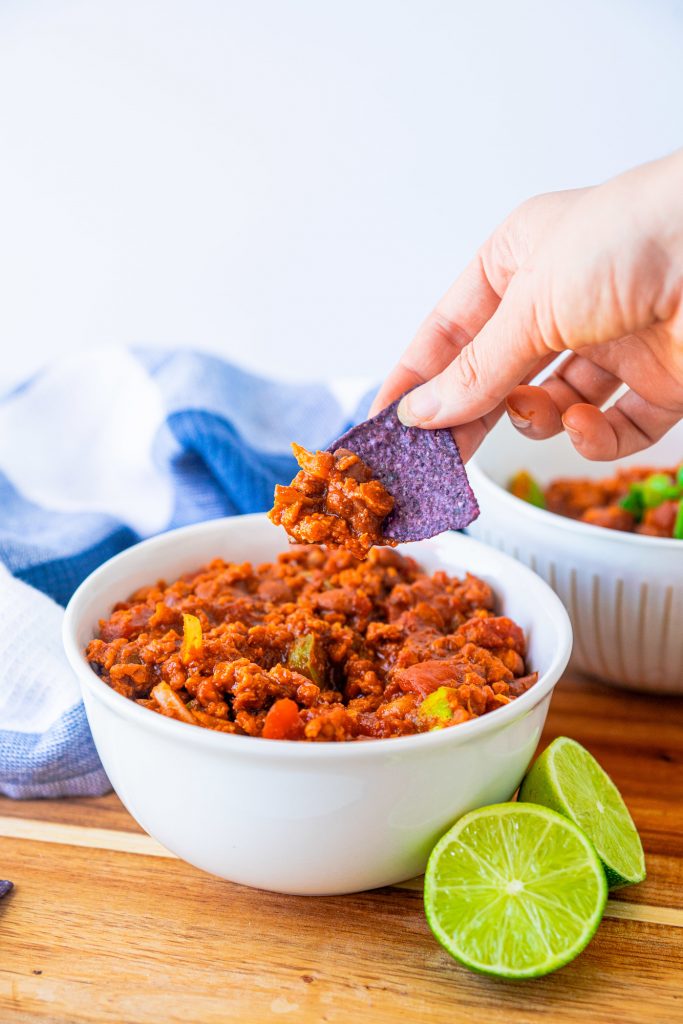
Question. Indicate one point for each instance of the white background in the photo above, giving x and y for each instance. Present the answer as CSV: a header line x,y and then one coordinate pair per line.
x,y
293,183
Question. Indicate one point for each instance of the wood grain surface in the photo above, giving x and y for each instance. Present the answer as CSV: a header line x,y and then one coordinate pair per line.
x,y
105,925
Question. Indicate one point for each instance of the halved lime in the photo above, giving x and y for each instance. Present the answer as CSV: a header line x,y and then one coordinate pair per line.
x,y
514,890
569,780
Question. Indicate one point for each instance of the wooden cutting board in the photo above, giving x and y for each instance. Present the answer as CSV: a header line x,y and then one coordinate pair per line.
x,y
105,925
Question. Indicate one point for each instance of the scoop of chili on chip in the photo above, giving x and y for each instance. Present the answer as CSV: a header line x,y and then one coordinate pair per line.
x,y
381,483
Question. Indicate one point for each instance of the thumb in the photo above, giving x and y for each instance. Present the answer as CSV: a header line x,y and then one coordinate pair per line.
x,y
503,353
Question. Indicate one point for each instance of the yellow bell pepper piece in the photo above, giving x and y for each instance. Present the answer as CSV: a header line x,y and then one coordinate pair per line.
x,y
192,638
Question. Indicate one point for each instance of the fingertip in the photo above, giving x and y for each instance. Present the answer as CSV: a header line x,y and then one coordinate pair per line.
x,y
404,414
532,411
419,407
590,432
520,420
400,380
577,416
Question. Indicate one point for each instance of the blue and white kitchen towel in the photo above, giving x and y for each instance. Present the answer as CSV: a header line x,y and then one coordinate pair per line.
x,y
96,453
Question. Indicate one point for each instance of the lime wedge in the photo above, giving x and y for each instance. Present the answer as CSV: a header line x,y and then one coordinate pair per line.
x,y
514,890
569,780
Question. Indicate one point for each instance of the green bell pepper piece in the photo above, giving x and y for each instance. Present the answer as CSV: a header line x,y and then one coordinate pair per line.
x,y
437,708
658,488
678,524
633,502
307,657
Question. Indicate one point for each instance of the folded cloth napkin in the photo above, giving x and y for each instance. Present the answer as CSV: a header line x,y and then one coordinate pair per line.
x,y
96,453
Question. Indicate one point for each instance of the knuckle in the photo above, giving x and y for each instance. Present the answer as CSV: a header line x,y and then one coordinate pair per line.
x,y
407,366
499,261
467,370
445,331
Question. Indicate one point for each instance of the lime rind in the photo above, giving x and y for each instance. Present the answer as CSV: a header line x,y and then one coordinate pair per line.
x,y
568,779
514,891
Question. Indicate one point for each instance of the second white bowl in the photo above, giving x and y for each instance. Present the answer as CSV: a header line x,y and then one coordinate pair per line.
x,y
623,591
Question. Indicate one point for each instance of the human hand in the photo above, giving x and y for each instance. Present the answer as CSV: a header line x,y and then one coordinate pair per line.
x,y
597,273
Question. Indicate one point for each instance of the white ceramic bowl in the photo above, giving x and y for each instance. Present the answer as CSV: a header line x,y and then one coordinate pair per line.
x,y
299,817
623,591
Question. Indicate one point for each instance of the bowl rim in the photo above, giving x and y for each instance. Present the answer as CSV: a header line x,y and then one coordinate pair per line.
x,y
552,519
231,743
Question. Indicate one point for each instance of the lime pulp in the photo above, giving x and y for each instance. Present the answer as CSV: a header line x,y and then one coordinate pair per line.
x,y
569,780
514,890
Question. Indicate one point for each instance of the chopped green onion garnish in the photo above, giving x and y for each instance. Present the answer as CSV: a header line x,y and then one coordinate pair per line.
x,y
679,476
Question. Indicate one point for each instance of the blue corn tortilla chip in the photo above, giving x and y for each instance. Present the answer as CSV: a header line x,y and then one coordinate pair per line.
x,y
5,887
421,469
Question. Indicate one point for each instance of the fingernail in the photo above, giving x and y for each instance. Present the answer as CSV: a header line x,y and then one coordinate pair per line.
x,y
517,418
575,436
417,407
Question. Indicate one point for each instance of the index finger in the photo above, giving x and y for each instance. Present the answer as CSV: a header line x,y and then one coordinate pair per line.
x,y
457,318
475,296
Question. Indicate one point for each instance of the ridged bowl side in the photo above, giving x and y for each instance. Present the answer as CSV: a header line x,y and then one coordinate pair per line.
x,y
623,591
627,631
